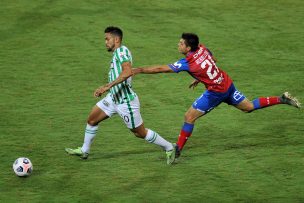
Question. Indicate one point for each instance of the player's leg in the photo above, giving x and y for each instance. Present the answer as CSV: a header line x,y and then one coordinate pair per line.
x,y
263,102
259,103
96,116
101,111
130,113
204,104
190,117
153,137
245,106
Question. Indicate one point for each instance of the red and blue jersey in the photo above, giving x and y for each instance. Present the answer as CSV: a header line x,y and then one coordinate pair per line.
x,y
201,66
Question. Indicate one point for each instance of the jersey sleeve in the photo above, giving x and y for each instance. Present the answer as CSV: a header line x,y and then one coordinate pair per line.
x,y
178,66
123,55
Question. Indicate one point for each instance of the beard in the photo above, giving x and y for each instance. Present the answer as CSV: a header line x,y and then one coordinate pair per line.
x,y
110,49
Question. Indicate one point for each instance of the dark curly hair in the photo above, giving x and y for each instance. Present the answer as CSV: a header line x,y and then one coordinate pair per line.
x,y
191,40
114,31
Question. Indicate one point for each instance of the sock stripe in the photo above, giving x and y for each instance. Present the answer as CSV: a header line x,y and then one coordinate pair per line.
x,y
91,131
150,140
256,104
153,138
188,127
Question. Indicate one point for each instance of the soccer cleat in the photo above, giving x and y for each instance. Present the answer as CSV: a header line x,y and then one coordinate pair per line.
x,y
286,98
77,152
171,155
177,151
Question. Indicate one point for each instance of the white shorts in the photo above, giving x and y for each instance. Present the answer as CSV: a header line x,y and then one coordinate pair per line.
x,y
129,112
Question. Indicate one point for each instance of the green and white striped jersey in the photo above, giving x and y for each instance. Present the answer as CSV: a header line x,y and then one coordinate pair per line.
x,y
121,92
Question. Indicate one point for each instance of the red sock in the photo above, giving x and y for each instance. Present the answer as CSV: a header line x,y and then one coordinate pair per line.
x,y
269,101
263,102
182,139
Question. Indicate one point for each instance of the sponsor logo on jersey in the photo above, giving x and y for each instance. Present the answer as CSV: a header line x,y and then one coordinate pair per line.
x,y
177,65
106,103
219,80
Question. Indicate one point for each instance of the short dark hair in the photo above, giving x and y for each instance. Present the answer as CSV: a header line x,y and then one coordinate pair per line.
x,y
114,31
191,40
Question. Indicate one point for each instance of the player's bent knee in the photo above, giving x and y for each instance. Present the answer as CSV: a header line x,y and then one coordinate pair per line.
x,y
139,132
246,107
92,122
189,118
139,135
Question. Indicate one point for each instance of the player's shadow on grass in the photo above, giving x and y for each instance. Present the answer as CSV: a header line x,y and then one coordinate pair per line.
x,y
221,148
124,153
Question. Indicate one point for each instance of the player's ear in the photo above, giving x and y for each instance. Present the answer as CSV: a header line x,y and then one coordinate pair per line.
x,y
188,48
117,39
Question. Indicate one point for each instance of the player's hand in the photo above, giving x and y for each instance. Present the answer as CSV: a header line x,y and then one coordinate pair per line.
x,y
99,91
194,84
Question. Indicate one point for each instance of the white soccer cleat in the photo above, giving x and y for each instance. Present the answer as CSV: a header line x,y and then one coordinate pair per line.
x,y
286,98
171,155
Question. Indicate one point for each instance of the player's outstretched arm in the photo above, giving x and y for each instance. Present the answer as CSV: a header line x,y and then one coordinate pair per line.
x,y
153,70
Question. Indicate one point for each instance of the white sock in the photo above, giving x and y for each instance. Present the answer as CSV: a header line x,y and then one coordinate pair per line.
x,y
89,135
155,138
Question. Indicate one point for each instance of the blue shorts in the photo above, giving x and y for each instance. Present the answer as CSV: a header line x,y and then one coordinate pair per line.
x,y
209,99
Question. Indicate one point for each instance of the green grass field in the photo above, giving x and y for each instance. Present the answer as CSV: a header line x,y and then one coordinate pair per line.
x,y
52,58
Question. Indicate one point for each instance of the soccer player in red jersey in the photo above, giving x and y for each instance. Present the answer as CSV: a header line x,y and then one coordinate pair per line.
x,y
201,65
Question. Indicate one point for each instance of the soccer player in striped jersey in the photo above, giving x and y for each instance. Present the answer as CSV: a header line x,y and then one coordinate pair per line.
x,y
121,100
201,65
